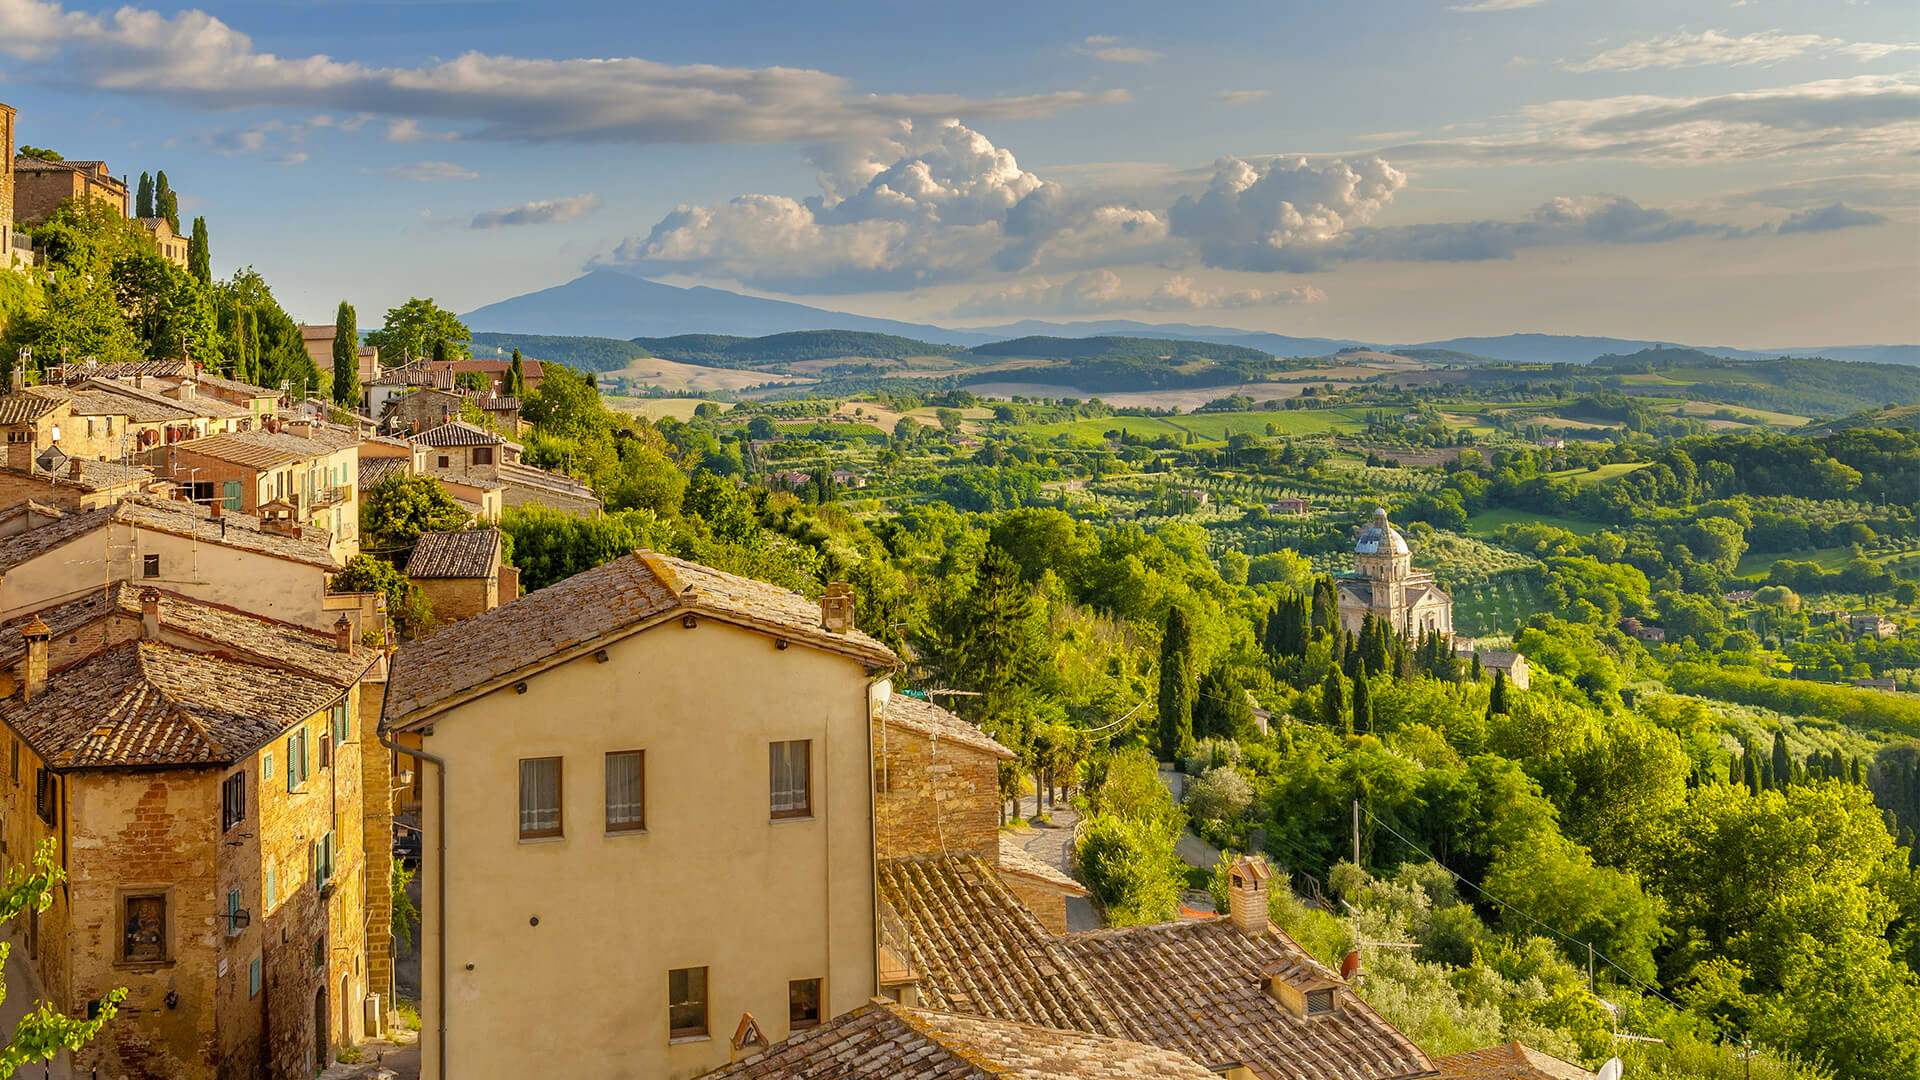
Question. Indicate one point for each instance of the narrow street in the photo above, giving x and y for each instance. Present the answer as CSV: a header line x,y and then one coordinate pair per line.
x,y
1053,845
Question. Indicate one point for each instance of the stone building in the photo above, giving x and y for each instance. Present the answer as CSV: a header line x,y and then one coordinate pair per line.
x,y
40,187
1384,584
306,473
172,248
1509,1061
201,771
461,573
660,723
459,452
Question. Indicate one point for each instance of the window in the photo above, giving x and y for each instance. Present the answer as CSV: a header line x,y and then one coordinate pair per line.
x,y
150,566
626,791
483,455
270,893
803,1003
539,797
687,1002
230,494
46,796
326,748
788,782
1319,1002
322,854
319,953
266,765
299,766
445,461
233,801
233,912
341,732
143,937
253,977
13,762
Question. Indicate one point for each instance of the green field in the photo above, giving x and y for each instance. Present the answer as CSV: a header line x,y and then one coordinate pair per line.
x,y
1491,522
1585,477
1209,427
655,408
1759,562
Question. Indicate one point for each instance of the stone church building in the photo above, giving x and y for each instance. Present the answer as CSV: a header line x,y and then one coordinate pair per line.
x,y
1384,584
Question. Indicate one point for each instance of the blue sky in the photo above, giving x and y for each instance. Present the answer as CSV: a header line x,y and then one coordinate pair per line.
x,y
1735,173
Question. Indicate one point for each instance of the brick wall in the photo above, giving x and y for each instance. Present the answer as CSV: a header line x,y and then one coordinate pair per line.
x,y
934,797
460,598
376,774
1047,903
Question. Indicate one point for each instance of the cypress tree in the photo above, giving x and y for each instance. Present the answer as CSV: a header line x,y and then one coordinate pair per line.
x,y
1782,763
1497,697
199,262
1750,768
143,199
346,357
165,203
1333,701
1362,708
1176,685
516,377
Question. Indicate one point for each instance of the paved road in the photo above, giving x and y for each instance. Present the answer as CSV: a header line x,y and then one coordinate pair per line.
x,y
1053,844
1192,850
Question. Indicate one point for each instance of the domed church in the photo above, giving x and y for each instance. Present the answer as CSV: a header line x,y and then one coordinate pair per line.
x,y
1384,584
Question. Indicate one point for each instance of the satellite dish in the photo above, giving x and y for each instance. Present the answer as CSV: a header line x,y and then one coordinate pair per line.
x,y
1612,1070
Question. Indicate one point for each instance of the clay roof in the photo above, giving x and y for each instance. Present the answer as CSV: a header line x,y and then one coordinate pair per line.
x,y
607,601
94,475
1200,987
526,476
529,367
977,949
80,371
316,332
469,553
926,718
884,1041
1513,1061
262,449
415,374
235,386
375,469
1015,860
144,406
21,406
461,433
232,529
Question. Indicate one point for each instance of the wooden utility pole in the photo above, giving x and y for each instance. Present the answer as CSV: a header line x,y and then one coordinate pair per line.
x,y
1356,832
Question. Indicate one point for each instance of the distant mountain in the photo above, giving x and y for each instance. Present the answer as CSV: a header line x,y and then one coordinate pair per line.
x,y
721,350
1115,347
610,304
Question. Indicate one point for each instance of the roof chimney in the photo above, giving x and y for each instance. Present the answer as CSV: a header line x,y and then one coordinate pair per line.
x,y
73,469
836,608
1247,880
19,376
343,635
150,613
37,634
213,508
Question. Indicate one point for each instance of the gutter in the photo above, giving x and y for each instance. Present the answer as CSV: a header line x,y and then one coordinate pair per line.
x,y
440,882
874,711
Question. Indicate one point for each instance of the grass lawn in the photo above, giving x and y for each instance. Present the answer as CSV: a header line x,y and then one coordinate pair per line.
x,y
1491,522
1759,562
1586,477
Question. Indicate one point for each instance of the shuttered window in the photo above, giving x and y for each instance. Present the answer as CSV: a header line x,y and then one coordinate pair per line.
x,y
790,784
233,801
539,797
626,791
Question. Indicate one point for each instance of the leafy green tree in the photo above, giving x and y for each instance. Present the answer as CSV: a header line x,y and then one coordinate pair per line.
x,y
167,310
1176,685
472,380
1497,696
413,329
143,196
406,604
199,258
346,356
567,405
1219,794
1334,715
397,509
43,1032
40,152
1362,707
1132,869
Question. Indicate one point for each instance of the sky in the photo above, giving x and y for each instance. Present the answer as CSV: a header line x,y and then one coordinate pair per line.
x,y
1715,172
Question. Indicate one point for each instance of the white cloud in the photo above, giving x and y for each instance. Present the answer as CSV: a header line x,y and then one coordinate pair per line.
x,y
1239,97
1108,48
425,172
1710,47
1099,292
406,129
1829,218
542,212
295,158
1253,214
196,59
1497,5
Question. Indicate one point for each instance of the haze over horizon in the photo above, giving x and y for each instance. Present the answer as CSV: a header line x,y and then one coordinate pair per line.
x,y
1714,173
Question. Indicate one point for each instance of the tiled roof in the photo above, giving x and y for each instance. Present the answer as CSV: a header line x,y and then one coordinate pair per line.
x,y
540,479
461,433
414,375
94,475
1200,987
316,332
1014,859
528,367
927,718
234,386
375,469
884,1041
977,949
497,404
469,553
21,406
1513,1061
231,529
262,449
146,703
117,369
145,406
589,606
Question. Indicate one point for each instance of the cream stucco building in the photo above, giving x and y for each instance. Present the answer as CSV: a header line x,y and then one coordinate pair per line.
x,y
647,813
1384,584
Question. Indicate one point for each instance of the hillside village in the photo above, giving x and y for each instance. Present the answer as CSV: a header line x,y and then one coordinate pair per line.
x,y
410,703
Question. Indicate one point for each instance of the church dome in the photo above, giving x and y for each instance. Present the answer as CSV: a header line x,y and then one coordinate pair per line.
x,y
1380,538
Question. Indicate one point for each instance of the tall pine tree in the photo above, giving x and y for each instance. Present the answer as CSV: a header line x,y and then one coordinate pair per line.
x,y
1782,763
143,198
1497,697
1333,701
346,357
165,203
1176,686
199,260
516,377
1362,708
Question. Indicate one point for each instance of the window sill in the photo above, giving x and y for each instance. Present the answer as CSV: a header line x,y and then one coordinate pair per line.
x,y
678,1039
789,818
626,832
142,965
542,839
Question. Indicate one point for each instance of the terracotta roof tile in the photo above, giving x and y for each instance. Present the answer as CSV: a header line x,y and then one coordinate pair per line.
x,y
538,480
884,1041
119,369
265,449
469,553
926,718
1200,988
1513,1061
94,475
234,386
375,469
524,635
21,406
232,529
461,433
978,950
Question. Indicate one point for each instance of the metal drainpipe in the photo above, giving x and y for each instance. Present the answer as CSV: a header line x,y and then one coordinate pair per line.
x,y
873,801
440,877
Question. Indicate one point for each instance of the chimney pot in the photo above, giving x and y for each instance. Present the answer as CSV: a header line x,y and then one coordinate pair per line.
x,y
213,508
73,469
37,634
150,613
343,635
1247,880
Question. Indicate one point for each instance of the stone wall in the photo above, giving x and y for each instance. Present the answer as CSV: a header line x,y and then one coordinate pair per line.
x,y
460,598
6,184
1047,903
935,797
376,774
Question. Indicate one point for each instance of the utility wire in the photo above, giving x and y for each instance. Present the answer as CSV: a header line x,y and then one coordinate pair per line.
x,y
1654,990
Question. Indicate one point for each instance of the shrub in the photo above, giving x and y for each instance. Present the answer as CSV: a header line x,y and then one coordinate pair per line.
x,y
1222,794
1132,869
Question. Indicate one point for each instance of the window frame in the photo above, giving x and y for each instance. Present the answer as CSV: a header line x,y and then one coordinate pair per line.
x,y
234,899
46,796
559,799
150,566
819,995
704,1001
128,897
13,762
1319,1002
253,977
338,718
638,823
233,800
774,747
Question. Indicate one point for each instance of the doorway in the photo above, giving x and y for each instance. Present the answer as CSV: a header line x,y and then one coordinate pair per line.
x,y
320,1042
